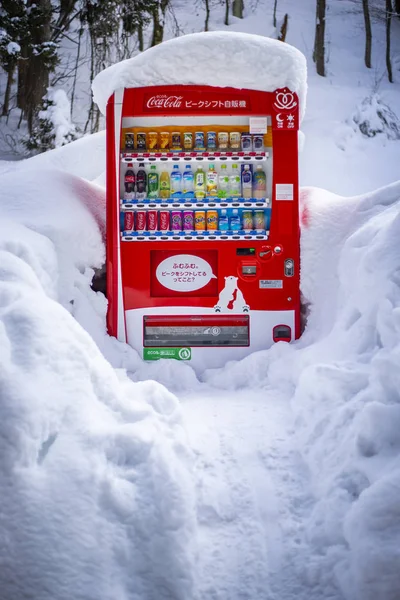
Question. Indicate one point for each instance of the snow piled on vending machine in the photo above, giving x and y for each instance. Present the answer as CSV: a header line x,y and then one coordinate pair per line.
x,y
221,58
96,491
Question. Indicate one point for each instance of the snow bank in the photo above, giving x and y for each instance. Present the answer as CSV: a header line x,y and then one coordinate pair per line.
x,y
96,497
220,58
344,379
67,210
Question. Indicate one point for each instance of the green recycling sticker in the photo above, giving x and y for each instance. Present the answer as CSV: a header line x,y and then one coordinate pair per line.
x,y
176,353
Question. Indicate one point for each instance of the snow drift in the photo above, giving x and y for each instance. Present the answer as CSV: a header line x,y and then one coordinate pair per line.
x,y
344,380
96,496
257,62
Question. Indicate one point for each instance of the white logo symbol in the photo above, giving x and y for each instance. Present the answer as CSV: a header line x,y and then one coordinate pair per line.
x,y
163,101
184,353
285,100
215,331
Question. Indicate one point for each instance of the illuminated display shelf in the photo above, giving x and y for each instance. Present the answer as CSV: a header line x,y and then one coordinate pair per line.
x,y
186,236
172,203
161,157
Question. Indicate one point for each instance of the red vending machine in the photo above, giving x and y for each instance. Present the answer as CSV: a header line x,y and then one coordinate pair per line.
x,y
203,257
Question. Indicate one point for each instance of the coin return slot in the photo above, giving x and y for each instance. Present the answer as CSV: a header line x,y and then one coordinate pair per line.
x,y
249,269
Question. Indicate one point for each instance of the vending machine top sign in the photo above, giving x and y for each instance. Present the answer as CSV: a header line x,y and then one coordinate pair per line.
x,y
203,258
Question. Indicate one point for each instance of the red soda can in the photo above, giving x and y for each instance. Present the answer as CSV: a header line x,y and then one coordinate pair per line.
x,y
129,222
164,220
140,220
152,220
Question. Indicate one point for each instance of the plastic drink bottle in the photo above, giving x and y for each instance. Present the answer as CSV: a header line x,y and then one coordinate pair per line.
x,y
235,220
188,182
234,182
152,182
141,180
165,185
199,184
223,219
223,183
246,182
212,181
176,182
259,183
129,183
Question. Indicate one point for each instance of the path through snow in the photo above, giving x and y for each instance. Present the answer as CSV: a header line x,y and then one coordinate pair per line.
x,y
253,499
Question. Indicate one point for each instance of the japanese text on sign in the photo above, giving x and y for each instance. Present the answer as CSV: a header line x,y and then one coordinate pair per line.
x,y
205,102
184,273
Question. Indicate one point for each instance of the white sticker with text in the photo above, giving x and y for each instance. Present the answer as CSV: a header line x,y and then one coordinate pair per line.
x,y
184,273
284,191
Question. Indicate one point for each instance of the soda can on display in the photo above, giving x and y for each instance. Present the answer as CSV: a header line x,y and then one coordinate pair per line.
x,y
176,220
164,140
258,143
188,140
152,221
176,140
141,141
200,220
246,142
259,220
129,222
129,141
212,220
199,140
234,140
223,140
247,220
152,140
140,220
164,220
188,220
211,140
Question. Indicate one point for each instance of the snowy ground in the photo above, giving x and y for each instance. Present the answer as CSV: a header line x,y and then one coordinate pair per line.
x,y
276,478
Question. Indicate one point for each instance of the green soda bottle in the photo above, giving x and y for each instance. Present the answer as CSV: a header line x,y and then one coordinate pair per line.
x,y
153,182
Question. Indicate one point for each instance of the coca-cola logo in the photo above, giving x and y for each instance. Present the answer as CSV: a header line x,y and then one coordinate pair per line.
x,y
164,101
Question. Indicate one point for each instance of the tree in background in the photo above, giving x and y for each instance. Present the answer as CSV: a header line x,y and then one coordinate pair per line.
x,y
237,8
389,11
10,49
38,58
158,8
275,6
368,34
319,42
54,127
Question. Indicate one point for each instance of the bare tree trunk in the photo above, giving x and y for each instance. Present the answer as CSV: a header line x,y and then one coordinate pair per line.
x,y
368,34
140,37
237,8
226,21
10,81
284,26
158,22
389,9
319,44
397,7
207,3
37,73
76,71
21,79
275,5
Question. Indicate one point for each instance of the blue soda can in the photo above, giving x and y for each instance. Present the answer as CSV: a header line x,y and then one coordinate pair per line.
x,y
211,140
199,140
